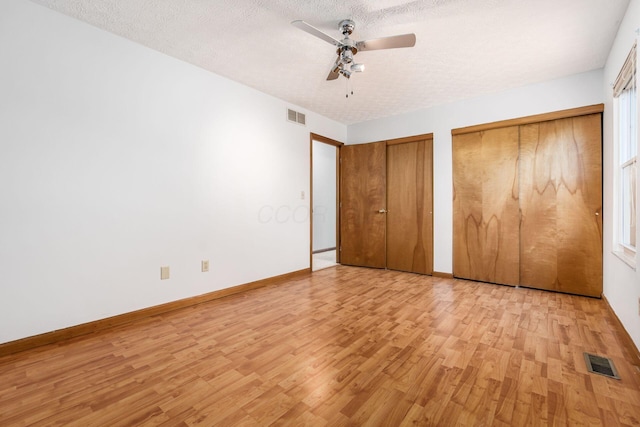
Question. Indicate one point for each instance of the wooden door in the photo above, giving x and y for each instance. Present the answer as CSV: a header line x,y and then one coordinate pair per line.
x,y
410,206
561,202
362,225
485,206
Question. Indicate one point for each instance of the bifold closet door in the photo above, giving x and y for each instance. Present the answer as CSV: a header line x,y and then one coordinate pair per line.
x,y
363,205
485,206
410,206
561,203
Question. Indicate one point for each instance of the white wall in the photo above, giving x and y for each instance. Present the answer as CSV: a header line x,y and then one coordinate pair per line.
x,y
621,282
116,159
324,195
569,92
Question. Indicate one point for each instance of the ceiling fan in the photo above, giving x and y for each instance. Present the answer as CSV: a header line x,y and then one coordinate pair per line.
x,y
347,48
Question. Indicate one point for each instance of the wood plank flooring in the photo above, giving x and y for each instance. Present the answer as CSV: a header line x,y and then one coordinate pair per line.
x,y
343,346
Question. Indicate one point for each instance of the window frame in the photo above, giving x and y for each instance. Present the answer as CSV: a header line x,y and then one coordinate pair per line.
x,y
626,139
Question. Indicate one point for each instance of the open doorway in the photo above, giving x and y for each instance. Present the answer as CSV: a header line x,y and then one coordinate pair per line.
x,y
324,202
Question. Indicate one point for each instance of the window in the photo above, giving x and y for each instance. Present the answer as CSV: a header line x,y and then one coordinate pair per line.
x,y
625,95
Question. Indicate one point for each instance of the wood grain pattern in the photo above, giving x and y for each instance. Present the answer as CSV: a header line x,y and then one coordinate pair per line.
x,y
410,207
102,324
561,202
412,138
342,346
555,115
485,206
363,190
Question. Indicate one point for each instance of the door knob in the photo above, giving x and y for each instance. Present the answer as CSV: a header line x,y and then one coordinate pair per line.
x,y
383,211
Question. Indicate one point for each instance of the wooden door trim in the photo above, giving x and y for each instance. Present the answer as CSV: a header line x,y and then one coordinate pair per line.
x,y
338,145
563,114
405,139
415,138
320,138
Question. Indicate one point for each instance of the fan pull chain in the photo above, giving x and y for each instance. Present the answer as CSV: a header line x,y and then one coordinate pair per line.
x,y
349,87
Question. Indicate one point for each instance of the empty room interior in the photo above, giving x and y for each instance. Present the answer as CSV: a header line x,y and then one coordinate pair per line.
x,y
383,212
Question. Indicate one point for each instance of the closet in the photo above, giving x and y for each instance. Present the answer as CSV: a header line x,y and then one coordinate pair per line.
x,y
527,202
485,205
386,196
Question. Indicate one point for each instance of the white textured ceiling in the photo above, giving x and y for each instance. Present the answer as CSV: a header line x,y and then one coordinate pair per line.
x,y
464,48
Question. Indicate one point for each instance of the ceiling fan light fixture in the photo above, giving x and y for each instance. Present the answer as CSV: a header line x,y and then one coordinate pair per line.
x,y
357,68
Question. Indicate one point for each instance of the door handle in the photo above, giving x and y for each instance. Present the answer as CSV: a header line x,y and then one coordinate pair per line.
x,y
383,211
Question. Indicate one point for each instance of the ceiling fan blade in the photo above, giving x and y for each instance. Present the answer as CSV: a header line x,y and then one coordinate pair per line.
x,y
315,32
335,70
393,42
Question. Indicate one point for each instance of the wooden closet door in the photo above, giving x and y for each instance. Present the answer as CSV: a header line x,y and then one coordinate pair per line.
x,y
485,206
362,192
410,207
561,202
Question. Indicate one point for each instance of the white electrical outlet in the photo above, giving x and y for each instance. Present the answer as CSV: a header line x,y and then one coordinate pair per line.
x,y
205,266
164,272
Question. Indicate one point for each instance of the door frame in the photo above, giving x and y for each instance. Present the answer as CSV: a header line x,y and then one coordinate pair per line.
x,y
338,145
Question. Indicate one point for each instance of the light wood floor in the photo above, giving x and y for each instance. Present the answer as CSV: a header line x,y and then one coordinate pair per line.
x,y
344,346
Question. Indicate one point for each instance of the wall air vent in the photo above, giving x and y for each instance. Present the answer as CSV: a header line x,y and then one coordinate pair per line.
x,y
296,117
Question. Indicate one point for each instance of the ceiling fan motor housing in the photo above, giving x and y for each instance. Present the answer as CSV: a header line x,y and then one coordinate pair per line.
x,y
347,26
346,54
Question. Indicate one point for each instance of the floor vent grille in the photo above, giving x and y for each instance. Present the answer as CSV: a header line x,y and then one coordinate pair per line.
x,y
601,365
